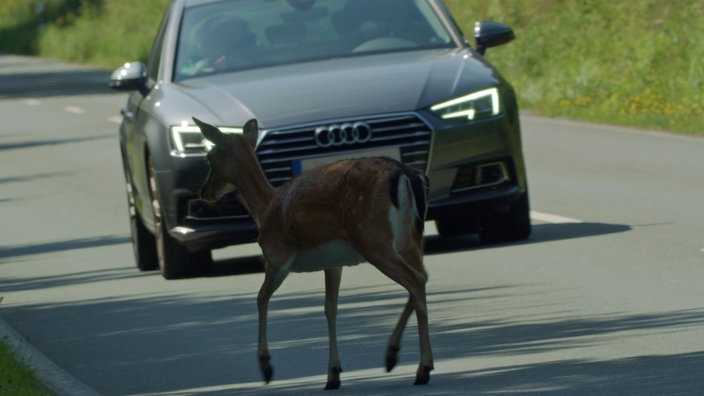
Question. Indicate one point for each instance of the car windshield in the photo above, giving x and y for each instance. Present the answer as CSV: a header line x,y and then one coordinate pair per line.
x,y
244,34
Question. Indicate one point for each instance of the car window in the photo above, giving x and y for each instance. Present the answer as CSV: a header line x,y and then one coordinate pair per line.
x,y
244,34
156,52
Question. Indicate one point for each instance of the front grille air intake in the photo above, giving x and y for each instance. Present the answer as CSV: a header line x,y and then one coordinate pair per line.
x,y
280,148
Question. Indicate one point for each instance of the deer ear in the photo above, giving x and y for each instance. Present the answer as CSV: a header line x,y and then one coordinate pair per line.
x,y
210,132
251,132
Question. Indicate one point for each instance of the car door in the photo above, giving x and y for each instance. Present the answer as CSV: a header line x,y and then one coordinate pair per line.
x,y
136,118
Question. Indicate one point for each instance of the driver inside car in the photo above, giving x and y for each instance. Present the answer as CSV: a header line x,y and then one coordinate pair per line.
x,y
225,43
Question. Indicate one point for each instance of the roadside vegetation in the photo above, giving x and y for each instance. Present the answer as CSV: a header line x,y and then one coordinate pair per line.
x,y
15,377
638,63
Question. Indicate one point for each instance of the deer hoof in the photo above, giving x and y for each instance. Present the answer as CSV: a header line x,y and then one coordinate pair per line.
x,y
332,385
423,375
391,357
333,379
268,373
266,368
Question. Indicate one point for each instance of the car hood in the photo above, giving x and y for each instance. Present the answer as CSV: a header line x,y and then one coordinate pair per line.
x,y
341,88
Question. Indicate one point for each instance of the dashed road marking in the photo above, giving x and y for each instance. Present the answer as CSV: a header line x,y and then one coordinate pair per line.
x,y
75,110
115,119
553,219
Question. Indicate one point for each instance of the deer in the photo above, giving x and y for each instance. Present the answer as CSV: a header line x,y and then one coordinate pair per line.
x,y
342,214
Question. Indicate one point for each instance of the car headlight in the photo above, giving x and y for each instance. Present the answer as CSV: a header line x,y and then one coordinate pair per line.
x,y
474,106
187,139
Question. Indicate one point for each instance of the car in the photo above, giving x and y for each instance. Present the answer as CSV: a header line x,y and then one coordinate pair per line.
x,y
327,80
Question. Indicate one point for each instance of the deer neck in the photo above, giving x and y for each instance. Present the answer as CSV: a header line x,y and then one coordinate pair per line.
x,y
256,190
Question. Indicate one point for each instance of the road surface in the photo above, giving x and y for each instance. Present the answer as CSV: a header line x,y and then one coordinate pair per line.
x,y
605,298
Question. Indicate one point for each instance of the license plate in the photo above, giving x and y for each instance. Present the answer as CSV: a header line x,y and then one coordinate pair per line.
x,y
308,163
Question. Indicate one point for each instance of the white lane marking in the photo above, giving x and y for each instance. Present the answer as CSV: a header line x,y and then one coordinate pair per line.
x,y
32,102
553,219
75,110
115,119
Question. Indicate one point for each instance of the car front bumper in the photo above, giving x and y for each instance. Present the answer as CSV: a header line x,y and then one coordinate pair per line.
x,y
473,168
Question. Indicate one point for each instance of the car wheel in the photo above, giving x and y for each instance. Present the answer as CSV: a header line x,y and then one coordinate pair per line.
x,y
513,225
143,242
174,260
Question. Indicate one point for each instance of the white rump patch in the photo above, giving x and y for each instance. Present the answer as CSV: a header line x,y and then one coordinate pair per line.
x,y
406,207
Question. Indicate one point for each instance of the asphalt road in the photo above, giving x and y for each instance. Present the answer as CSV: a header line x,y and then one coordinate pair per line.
x,y
605,298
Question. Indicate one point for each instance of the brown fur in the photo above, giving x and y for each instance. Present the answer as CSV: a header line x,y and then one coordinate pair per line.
x,y
373,206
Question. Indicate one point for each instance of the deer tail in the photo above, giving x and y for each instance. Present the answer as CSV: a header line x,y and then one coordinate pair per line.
x,y
412,186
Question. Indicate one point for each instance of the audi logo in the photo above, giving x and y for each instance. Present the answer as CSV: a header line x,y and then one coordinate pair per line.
x,y
343,134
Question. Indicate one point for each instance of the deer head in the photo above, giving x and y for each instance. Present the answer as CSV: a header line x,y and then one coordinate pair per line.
x,y
225,158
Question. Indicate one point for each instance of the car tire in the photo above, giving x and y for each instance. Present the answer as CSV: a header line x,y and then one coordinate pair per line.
x,y
174,260
143,242
511,226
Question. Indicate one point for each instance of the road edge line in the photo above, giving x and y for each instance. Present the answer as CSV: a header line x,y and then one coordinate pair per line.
x,y
58,381
553,219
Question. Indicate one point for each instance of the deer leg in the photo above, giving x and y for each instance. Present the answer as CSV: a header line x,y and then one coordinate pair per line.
x,y
426,353
272,281
412,277
395,339
332,288
414,257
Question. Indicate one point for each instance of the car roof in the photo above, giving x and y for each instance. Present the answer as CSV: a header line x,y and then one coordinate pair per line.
x,y
189,3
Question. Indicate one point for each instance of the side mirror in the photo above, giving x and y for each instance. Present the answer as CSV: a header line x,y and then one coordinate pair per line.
x,y
130,77
491,34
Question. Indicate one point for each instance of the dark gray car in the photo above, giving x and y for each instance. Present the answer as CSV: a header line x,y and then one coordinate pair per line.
x,y
327,79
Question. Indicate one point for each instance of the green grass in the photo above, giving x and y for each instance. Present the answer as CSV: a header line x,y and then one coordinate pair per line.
x,y
105,33
15,377
638,63
98,32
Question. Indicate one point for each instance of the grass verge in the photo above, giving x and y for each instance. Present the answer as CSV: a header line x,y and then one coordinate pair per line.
x,y
637,63
15,377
